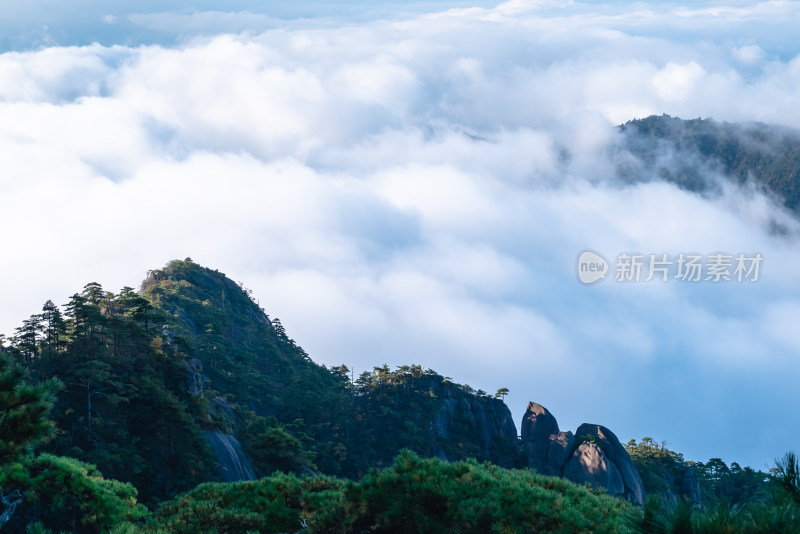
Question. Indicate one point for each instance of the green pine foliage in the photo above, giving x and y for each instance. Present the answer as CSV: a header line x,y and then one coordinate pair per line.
x,y
278,447
124,405
661,469
279,503
787,476
428,495
735,499
412,495
780,517
732,483
68,494
124,359
24,411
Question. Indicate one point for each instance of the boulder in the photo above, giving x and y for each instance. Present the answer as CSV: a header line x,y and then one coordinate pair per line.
x,y
589,465
616,454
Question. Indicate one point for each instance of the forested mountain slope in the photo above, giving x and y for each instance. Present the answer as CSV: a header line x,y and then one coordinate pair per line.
x,y
694,153
150,379
189,381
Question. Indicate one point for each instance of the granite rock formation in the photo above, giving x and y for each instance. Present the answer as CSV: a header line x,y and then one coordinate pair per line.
x,y
485,423
616,453
589,465
592,455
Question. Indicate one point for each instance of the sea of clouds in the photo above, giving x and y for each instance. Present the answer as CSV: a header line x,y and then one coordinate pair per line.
x,y
416,187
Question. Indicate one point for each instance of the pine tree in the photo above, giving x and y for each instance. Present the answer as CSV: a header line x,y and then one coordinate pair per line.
x,y
26,339
54,340
24,411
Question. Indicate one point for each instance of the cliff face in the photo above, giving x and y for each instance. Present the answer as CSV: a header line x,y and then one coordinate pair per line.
x,y
232,464
485,423
423,411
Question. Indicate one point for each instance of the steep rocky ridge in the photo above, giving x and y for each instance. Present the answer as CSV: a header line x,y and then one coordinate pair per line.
x,y
237,353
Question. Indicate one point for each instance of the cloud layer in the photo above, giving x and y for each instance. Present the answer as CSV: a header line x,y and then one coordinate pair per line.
x,y
416,189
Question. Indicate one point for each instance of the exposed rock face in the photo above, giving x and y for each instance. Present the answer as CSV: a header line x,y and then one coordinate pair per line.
x,y
673,482
232,464
538,423
486,422
682,484
589,465
608,442
602,462
538,426
546,449
689,486
558,452
194,376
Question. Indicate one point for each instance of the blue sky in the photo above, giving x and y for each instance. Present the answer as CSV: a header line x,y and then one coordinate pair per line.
x,y
389,179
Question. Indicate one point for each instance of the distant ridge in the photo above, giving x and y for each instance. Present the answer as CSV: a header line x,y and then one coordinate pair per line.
x,y
689,152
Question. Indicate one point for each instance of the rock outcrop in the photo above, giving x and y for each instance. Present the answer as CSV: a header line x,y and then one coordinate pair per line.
x,y
616,453
538,425
194,376
558,452
546,449
689,487
232,463
592,455
589,465
483,423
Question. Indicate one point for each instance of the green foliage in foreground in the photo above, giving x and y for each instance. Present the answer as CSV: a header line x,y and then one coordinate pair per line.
x,y
61,492
413,495
782,517
68,494
778,515
24,411
273,504
429,495
416,495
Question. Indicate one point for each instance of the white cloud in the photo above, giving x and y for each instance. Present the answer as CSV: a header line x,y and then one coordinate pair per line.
x,y
676,82
417,189
749,54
